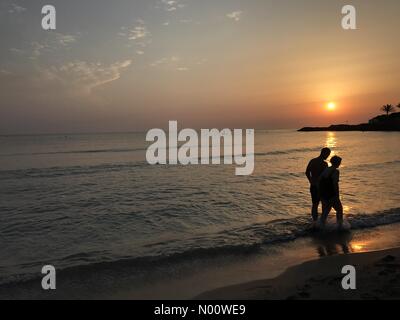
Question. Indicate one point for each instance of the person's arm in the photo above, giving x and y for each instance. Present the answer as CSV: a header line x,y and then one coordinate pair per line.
x,y
308,172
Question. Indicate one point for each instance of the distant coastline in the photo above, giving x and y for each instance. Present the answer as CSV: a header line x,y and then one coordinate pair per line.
x,y
389,122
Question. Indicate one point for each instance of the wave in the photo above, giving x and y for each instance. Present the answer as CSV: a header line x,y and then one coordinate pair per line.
x,y
94,151
94,169
237,241
288,151
75,152
71,170
66,171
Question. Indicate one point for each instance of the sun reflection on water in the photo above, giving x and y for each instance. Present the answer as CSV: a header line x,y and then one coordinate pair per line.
x,y
331,140
346,209
358,247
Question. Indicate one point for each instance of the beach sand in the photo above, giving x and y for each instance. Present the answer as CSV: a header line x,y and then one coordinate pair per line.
x,y
377,277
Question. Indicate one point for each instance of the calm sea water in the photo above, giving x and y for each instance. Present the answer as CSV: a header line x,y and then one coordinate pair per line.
x,y
80,200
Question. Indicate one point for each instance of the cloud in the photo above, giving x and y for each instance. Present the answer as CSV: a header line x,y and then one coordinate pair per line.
x,y
173,60
236,15
171,5
37,49
71,84
85,76
186,20
65,39
139,34
202,61
5,72
15,8
159,62
170,63
17,51
53,42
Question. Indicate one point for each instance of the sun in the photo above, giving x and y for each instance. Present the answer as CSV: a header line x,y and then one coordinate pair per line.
x,y
331,106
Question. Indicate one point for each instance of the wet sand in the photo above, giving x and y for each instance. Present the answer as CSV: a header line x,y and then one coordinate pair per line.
x,y
377,277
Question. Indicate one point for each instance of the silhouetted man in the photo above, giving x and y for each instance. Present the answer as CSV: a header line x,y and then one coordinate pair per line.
x,y
314,170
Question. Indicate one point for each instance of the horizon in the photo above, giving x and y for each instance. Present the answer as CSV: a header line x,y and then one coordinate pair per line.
x,y
165,127
132,66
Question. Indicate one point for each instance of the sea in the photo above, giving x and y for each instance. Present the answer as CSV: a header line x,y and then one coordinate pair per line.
x,y
92,202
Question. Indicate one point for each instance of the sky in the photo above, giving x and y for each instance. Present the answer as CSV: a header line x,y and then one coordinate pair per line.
x,y
132,65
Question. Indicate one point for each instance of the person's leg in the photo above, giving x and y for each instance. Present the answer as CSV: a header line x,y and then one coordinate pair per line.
x,y
326,209
314,211
337,205
315,202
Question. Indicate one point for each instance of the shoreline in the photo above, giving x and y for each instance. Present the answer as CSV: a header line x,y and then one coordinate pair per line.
x,y
223,277
379,123
349,127
377,277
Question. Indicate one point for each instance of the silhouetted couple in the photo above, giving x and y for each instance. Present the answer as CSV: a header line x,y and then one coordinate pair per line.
x,y
324,186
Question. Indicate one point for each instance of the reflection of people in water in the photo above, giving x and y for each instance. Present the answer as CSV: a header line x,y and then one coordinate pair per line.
x,y
329,191
314,170
332,243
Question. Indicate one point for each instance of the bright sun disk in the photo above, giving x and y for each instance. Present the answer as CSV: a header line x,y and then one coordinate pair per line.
x,y
331,106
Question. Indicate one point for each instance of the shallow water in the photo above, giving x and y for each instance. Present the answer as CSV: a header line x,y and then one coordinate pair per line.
x,y
79,200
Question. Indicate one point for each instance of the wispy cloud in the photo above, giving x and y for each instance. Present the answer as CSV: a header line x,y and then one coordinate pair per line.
x,y
17,51
186,20
236,15
86,76
53,42
139,34
37,49
65,39
171,63
15,8
5,72
171,5
183,21
202,61
165,61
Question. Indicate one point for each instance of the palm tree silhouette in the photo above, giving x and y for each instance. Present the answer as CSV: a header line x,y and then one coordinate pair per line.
x,y
387,108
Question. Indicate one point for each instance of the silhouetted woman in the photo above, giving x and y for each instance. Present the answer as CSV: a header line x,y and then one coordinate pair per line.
x,y
329,191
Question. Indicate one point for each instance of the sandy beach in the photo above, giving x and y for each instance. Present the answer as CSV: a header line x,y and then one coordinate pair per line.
x,y
378,277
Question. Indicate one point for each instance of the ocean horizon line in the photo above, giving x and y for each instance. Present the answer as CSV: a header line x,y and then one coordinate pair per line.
x,y
120,132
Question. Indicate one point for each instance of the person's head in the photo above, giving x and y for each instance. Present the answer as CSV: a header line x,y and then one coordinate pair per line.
x,y
325,152
336,161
